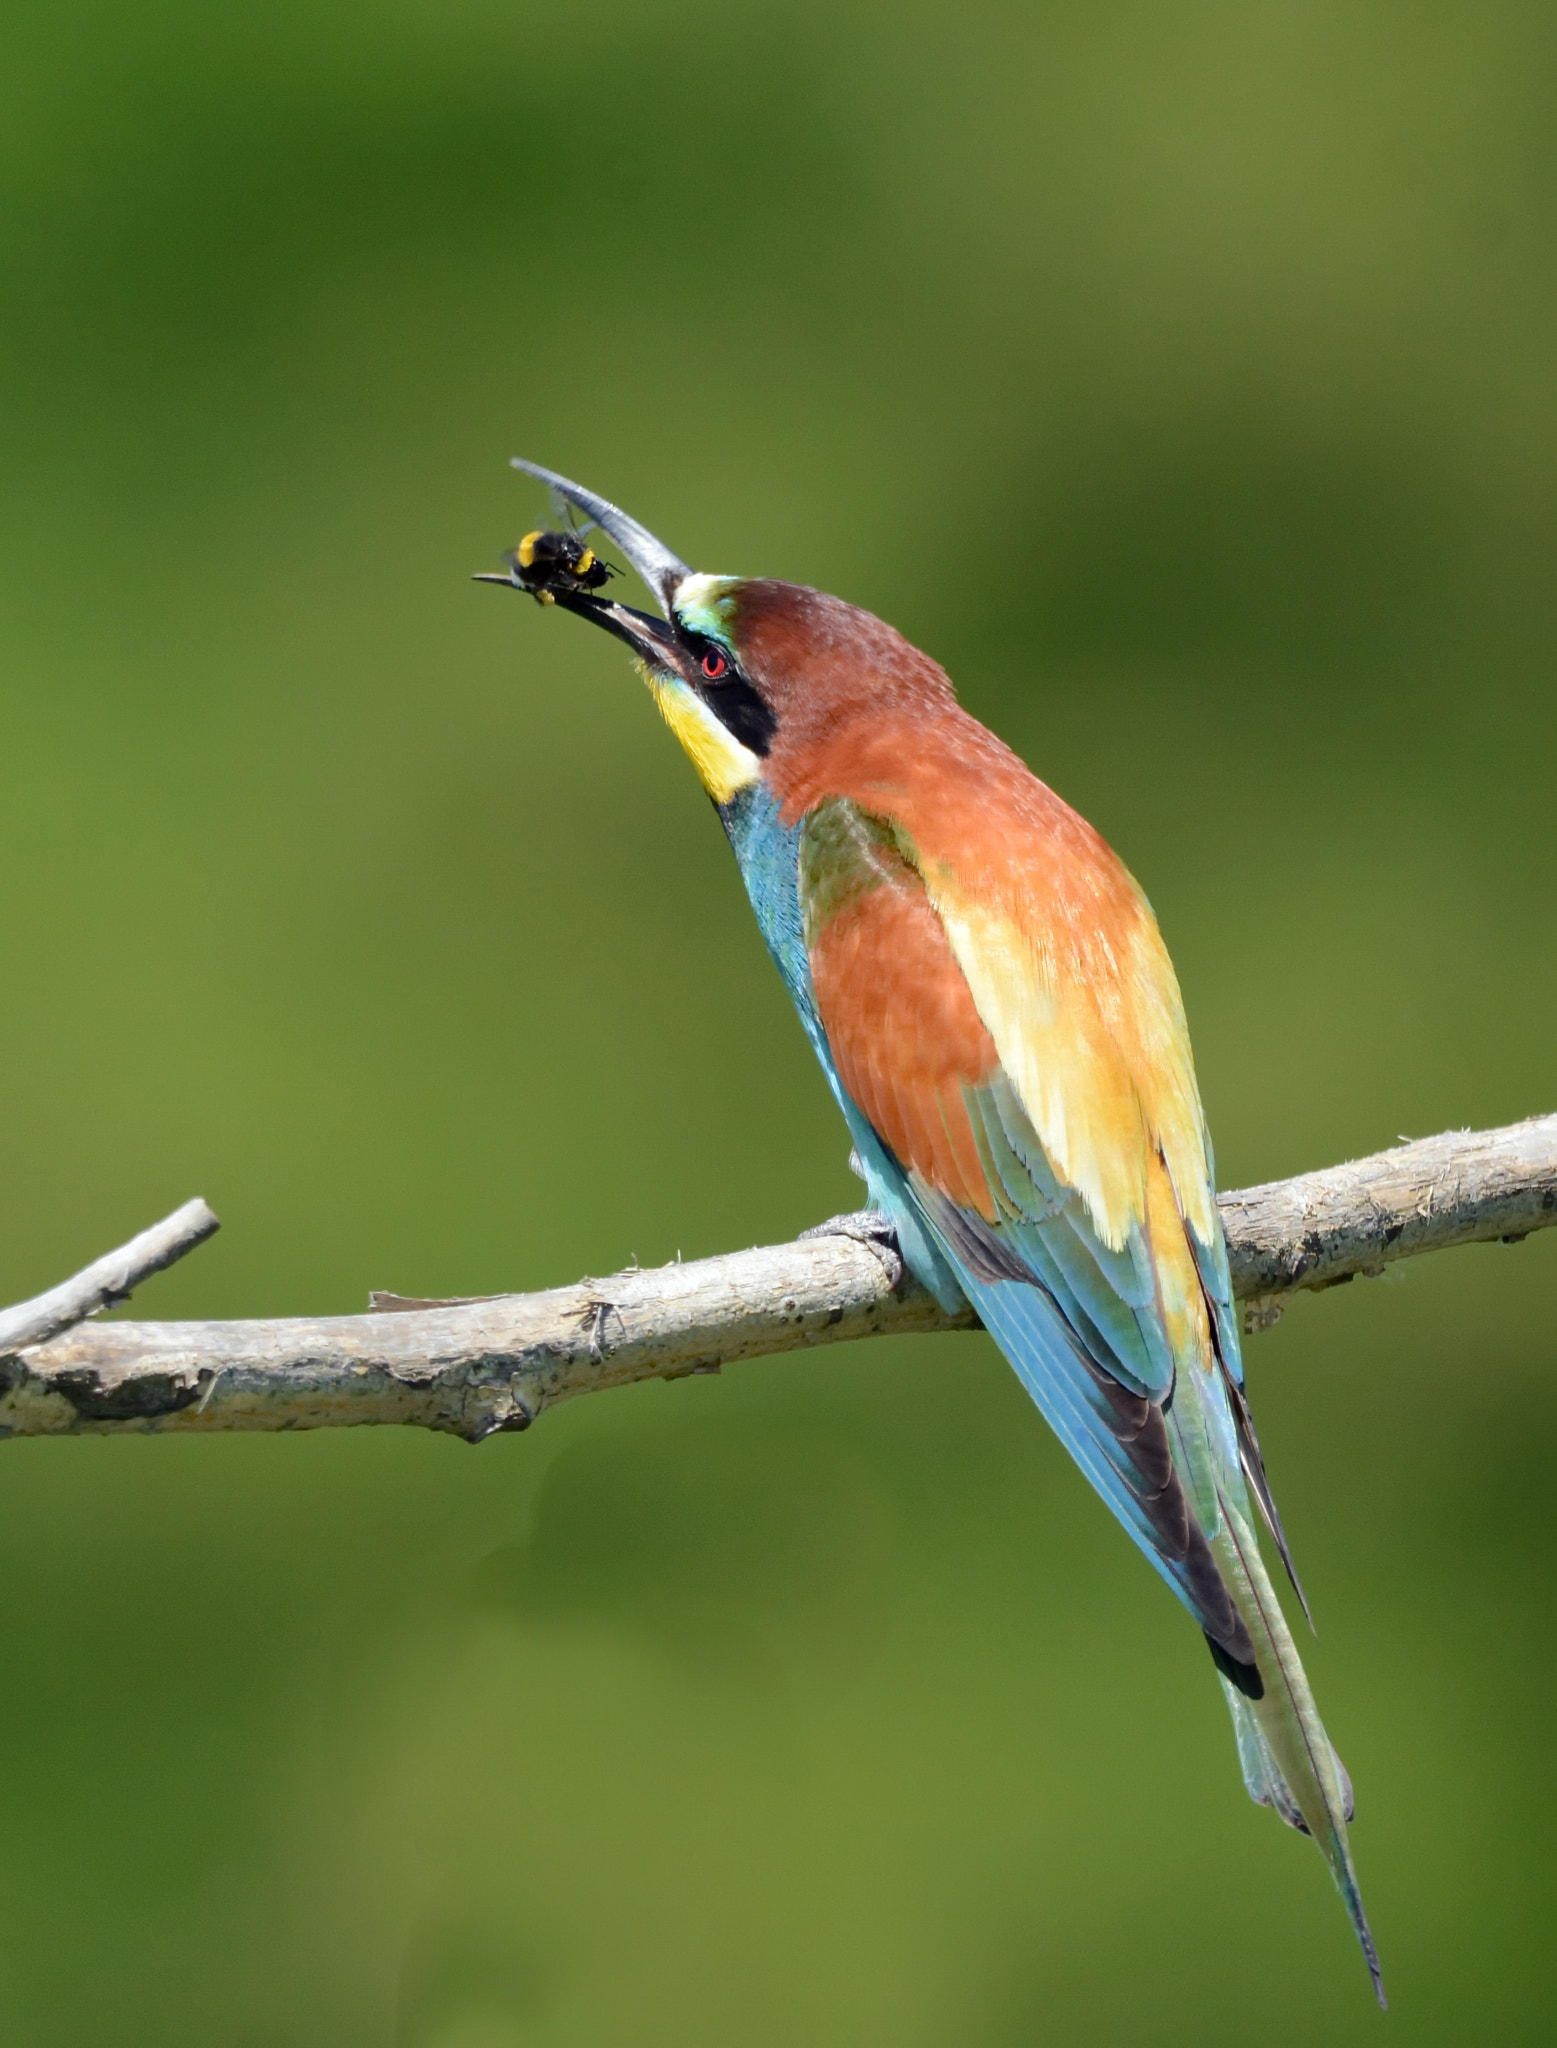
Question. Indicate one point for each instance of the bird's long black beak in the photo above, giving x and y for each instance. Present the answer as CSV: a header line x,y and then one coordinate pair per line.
x,y
661,570
648,637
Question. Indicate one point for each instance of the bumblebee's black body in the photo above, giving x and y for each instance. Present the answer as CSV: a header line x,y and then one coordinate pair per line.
x,y
553,565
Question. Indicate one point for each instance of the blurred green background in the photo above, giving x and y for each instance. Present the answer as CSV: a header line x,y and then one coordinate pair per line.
x,y
1182,378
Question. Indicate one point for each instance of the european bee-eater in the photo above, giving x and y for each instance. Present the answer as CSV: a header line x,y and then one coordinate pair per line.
x,y
987,991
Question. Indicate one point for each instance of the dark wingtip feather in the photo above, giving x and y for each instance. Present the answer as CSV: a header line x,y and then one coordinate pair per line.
x,y
1245,1676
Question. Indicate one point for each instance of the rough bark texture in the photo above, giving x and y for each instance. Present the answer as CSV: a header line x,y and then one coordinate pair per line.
x,y
475,1367
468,1367
1462,1187
108,1281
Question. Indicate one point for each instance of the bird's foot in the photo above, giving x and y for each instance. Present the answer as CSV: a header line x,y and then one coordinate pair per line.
x,y
870,1228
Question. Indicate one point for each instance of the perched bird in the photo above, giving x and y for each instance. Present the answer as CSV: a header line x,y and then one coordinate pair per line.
x,y
987,991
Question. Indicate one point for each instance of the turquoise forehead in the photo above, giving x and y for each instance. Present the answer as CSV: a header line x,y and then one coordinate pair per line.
x,y
706,604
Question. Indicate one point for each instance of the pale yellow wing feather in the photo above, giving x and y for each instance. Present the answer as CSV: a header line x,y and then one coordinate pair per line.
x,y
1090,1029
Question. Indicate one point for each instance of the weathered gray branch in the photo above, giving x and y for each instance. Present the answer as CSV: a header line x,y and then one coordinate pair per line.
x,y
108,1281
474,1367
1462,1187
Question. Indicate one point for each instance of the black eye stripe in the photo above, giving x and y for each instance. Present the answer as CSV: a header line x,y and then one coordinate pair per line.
x,y
728,695
742,713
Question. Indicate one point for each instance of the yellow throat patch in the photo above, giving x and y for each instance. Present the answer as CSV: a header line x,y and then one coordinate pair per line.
x,y
723,764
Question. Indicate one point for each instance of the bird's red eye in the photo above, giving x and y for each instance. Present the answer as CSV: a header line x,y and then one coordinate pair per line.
x,y
714,665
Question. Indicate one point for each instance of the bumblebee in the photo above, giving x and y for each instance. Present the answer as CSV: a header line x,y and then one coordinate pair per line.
x,y
544,563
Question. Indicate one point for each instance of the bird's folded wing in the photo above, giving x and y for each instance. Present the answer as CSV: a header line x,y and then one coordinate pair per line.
x,y
999,1079
1029,1065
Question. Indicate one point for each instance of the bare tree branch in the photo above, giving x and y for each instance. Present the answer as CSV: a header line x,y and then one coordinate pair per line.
x,y
109,1281
1462,1187
474,1367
